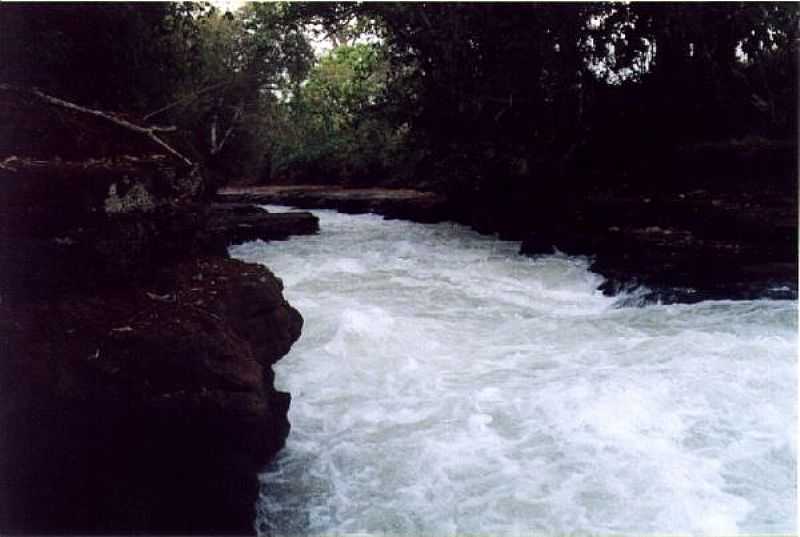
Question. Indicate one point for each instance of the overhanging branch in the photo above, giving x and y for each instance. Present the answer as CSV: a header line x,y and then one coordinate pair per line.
x,y
190,98
149,131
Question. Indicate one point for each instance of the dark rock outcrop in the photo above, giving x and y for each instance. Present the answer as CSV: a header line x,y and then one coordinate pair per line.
x,y
95,222
406,204
136,388
144,410
686,247
682,246
235,223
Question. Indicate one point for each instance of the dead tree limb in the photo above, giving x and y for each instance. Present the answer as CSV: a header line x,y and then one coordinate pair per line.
x,y
217,147
150,131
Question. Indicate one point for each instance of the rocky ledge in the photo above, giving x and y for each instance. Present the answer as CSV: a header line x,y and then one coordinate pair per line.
x,y
392,203
136,382
673,246
684,247
235,223
146,409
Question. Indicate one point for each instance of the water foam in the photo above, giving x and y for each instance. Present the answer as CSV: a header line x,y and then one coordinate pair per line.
x,y
444,385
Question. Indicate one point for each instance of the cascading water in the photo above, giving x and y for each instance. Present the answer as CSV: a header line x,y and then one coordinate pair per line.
x,y
445,385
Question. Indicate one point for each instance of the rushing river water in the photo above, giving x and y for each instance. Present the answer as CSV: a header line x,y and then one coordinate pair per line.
x,y
445,385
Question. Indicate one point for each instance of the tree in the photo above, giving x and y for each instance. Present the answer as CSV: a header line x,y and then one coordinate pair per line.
x,y
210,73
242,63
131,56
339,125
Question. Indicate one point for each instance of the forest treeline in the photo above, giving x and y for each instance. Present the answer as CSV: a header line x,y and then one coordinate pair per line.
x,y
451,96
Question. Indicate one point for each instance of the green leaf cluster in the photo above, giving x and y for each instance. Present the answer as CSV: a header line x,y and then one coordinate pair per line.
x,y
336,128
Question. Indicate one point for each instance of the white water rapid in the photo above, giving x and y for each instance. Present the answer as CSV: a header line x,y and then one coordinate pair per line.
x,y
445,385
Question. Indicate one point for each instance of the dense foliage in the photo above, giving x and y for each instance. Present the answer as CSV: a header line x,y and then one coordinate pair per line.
x,y
336,131
455,96
553,90
120,56
530,98
211,73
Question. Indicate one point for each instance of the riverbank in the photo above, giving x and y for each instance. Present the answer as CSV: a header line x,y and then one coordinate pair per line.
x,y
136,386
682,245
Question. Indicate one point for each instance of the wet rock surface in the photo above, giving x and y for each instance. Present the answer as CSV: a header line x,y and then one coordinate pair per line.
x,y
680,245
235,223
404,204
685,247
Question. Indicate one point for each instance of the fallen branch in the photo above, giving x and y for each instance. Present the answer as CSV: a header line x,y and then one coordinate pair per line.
x,y
150,131
13,163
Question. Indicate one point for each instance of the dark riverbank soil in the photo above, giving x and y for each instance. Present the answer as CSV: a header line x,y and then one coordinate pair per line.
x,y
677,246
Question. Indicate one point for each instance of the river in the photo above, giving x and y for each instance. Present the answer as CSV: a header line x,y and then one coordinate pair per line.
x,y
444,385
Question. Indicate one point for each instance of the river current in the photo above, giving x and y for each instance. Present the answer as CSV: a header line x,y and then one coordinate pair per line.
x,y
444,385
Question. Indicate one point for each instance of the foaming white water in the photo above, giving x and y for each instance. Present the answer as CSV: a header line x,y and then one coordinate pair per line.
x,y
444,385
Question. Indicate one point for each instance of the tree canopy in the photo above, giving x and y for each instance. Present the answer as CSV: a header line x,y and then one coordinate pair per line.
x,y
436,93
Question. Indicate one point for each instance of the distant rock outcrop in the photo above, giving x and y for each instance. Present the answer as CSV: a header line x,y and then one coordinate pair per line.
x,y
235,223
684,247
402,203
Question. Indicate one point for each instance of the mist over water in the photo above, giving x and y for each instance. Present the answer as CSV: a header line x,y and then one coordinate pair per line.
x,y
445,385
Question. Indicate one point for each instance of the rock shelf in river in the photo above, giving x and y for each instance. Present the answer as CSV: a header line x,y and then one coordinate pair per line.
x,y
235,223
407,204
682,247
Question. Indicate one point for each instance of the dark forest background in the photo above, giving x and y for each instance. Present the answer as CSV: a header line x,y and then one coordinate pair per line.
x,y
516,101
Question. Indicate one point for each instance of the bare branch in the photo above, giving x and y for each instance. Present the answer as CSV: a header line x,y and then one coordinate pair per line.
x,y
186,100
150,132
216,148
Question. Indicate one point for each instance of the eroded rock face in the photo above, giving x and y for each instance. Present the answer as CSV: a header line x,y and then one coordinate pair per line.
x,y
136,382
149,409
69,224
414,205
247,295
685,247
235,223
